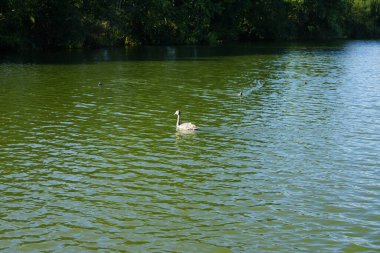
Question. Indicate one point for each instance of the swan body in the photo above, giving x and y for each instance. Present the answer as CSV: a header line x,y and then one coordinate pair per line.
x,y
184,126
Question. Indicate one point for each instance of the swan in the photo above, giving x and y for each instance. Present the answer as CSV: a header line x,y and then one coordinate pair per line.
x,y
184,126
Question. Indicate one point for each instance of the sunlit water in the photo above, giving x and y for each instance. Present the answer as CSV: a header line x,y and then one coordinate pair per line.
x,y
291,166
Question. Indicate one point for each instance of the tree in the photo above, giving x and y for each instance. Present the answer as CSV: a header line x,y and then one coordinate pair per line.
x,y
99,23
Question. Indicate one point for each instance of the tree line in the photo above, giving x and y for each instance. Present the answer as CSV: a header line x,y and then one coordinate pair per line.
x,y
45,24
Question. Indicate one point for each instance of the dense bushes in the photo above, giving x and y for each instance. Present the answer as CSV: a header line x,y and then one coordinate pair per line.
x,y
96,23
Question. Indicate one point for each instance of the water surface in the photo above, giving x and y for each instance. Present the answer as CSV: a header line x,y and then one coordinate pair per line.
x,y
291,166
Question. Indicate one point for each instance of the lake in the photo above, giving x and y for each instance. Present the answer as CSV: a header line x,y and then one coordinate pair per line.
x,y
292,165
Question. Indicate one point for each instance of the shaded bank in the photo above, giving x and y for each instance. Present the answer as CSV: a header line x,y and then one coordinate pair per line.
x,y
96,23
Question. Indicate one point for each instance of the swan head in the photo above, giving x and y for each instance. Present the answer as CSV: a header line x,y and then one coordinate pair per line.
x,y
177,113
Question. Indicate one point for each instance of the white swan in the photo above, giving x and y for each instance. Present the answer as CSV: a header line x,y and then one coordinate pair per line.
x,y
184,126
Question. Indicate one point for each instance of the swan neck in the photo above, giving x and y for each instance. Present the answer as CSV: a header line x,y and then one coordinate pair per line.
x,y
178,120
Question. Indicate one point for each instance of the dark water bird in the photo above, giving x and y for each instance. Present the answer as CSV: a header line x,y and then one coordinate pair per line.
x,y
100,84
184,126
240,94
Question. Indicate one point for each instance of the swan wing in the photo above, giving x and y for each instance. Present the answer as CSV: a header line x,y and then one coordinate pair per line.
x,y
187,126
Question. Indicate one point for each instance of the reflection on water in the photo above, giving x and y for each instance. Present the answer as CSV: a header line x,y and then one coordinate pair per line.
x,y
290,166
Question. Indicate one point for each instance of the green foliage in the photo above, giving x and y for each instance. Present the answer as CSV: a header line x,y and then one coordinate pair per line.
x,y
100,23
365,19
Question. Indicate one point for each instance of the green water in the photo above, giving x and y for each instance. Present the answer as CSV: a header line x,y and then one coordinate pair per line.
x,y
291,166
